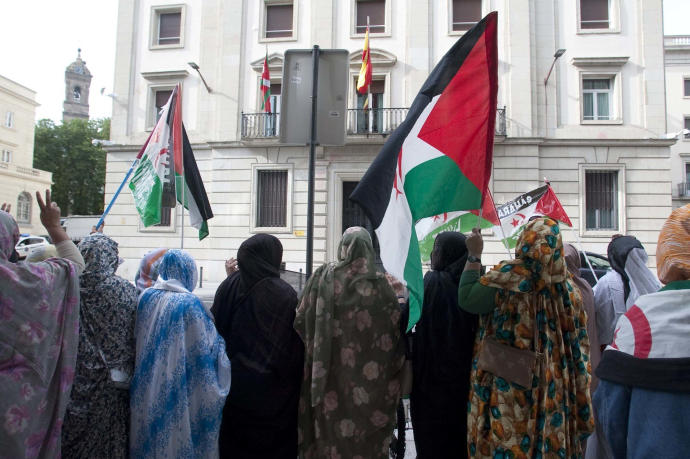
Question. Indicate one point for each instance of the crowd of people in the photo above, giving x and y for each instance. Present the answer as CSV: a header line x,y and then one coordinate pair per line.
x,y
524,359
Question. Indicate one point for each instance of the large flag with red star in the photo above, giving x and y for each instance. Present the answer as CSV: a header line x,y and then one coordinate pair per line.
x,y
515,214
439,158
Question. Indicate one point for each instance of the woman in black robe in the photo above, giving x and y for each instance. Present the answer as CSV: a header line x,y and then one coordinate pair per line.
x,y
254,311
442,356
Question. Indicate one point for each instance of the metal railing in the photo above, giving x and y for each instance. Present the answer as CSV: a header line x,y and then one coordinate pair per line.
x,y
381,121
684,190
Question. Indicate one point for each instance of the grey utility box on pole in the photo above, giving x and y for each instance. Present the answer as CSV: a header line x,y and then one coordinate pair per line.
x,y
296,95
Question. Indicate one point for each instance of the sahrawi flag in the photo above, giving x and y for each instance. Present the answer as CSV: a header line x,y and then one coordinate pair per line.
x,y
461,221
515,214
439,159
167,163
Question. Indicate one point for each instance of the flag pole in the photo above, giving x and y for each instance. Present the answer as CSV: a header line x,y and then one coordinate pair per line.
x,y
117,192
581,249
182,219
369,101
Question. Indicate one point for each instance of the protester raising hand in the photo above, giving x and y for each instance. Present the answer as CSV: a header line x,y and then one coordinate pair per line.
x,y
50,218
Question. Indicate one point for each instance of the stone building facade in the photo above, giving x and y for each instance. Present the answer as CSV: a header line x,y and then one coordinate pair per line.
x,y
19,181
595,129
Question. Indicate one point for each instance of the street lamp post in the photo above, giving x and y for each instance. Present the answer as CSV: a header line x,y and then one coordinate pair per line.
x,y
556,55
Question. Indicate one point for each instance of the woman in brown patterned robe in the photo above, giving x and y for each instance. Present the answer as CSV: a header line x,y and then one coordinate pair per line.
x,y
348,318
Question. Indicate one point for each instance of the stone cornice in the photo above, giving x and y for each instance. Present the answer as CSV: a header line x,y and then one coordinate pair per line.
x,y
587,62
165,75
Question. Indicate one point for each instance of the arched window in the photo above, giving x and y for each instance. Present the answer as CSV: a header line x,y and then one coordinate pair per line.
x,y
24,208
77,93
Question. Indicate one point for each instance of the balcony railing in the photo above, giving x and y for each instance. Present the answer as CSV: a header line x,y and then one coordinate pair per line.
x,y
677,40
684,190
376,121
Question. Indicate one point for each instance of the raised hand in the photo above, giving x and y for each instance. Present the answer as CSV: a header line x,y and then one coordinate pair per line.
x,y
50,218
475,243
231,266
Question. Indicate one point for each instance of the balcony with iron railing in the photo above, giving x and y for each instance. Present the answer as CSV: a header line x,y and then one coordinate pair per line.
x,y
683,191
360,122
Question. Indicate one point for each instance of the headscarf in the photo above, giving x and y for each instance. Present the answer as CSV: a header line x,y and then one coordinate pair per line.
x,y
39,325
449,253
673,248
98,412
41,253
259,257
147,274
348,318
254,311
182,373
629,259
573,262
177,269
534,291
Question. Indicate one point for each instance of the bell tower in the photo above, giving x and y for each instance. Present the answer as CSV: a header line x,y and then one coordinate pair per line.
x,y
77,83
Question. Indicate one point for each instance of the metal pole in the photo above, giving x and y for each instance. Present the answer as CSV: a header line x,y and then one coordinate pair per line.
x,y
370,103
312,159
182,219
117,193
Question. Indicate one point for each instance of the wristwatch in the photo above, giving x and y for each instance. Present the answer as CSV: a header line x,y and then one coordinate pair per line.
x,y
473,259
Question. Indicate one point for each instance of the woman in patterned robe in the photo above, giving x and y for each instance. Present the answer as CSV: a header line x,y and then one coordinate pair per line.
x,y
97,419
182,374
348,318
553,416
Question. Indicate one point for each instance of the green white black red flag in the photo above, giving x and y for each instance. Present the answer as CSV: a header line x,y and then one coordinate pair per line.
x,y
515,214
439,159
167,166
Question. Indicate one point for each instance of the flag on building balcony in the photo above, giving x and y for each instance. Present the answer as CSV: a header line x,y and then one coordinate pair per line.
x,y
515,214
461,221
364,79
166,162
266,88
439,158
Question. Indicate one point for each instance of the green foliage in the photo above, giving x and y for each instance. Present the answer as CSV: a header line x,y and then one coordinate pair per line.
x,y
77,165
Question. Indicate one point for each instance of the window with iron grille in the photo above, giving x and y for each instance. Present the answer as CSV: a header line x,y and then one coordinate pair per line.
x,y
595,14
686,87
166,216
272,190
279,20
375,10
601,200
466,13
24,208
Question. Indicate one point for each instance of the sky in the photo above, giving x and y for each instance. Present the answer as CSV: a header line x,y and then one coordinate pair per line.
x,y
40,39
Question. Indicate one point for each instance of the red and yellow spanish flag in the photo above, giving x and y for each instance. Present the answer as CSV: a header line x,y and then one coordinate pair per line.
x,y
266,88
364,79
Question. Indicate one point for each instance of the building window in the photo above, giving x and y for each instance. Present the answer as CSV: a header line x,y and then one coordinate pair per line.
x,y
157,99
686,125
279,20
373,114
76,93
9,119
166,217
167,26
272,192
601,200
375,10
6,156
24,208
686,87
466,13
595,14
596,98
